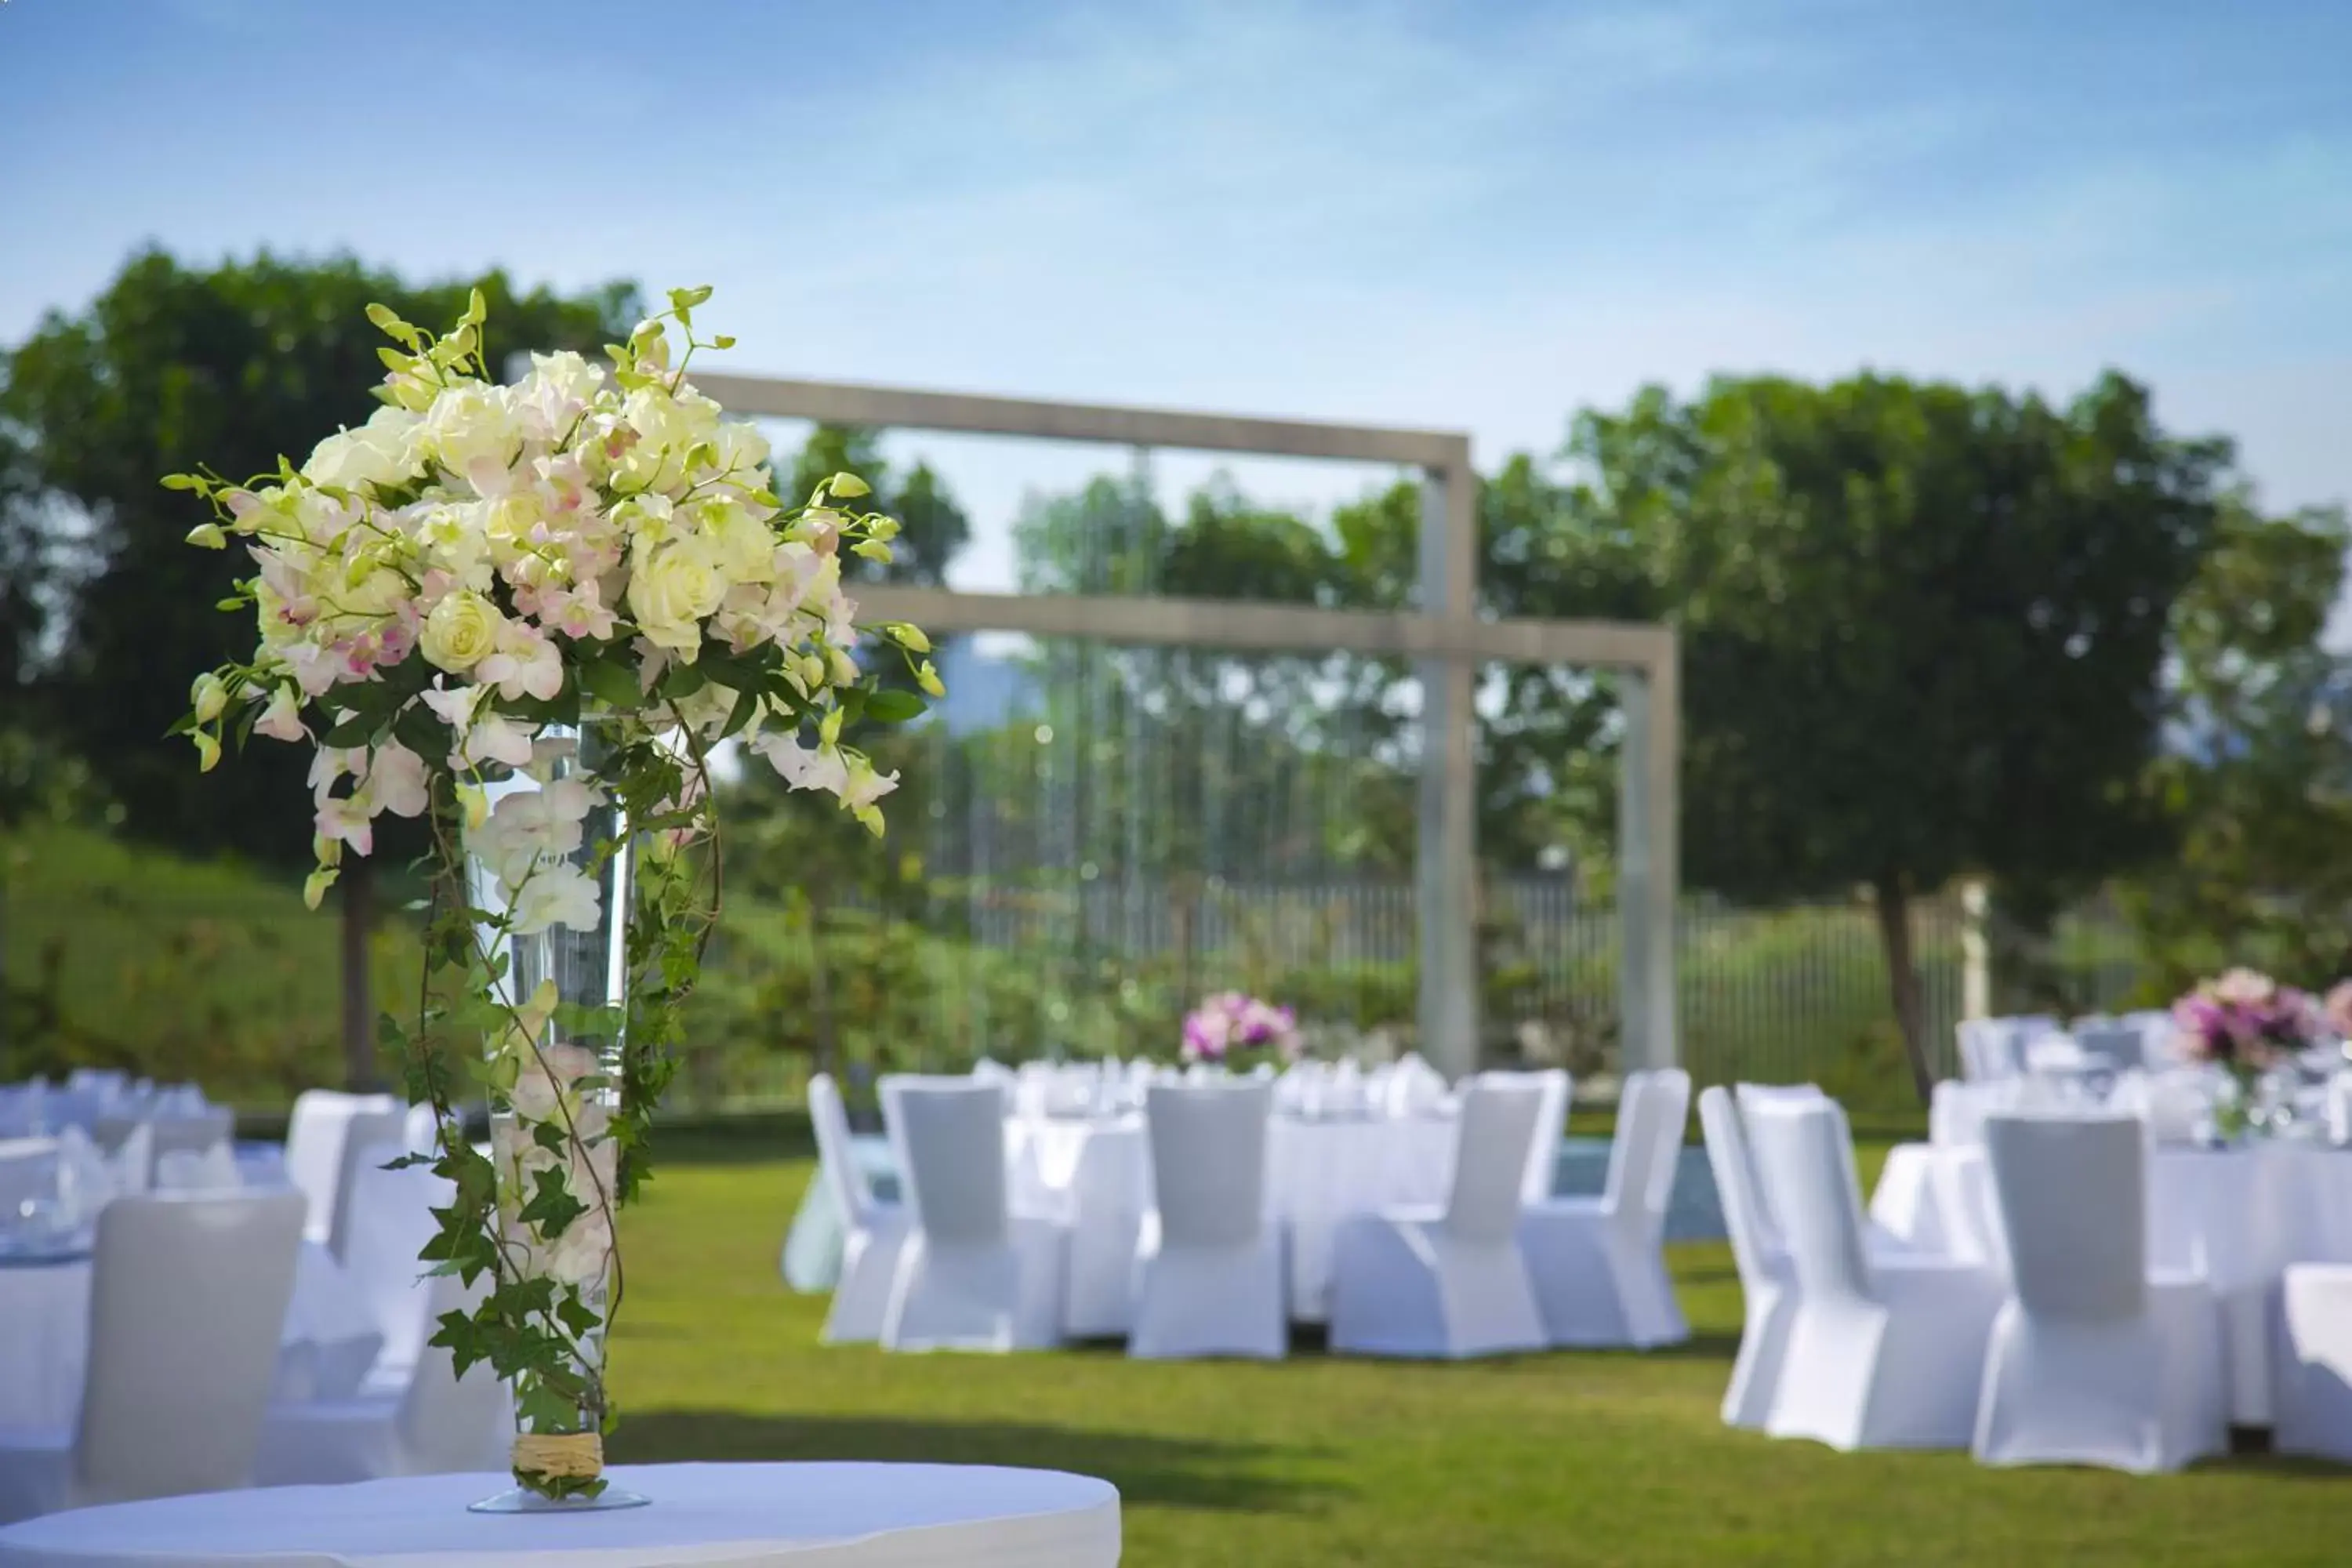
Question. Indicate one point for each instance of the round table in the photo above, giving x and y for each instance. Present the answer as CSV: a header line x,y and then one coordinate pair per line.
x,y
814,1516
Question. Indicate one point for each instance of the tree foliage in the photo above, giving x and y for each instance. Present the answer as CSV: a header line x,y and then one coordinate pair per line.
x,y
2258,778
1923,627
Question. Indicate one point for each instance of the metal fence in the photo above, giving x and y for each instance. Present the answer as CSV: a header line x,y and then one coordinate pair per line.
x,y
246,994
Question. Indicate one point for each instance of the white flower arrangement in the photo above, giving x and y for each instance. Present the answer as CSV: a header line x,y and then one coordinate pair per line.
x,y
443,597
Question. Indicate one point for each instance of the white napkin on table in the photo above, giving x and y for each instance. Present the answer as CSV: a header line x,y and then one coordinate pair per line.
x,y
85,1180
198,1170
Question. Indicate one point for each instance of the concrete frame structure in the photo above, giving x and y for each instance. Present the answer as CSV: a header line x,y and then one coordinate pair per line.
x,y
1447,638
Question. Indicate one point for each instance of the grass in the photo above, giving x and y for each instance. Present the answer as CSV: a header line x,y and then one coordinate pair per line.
x,y
1550,1460
122,955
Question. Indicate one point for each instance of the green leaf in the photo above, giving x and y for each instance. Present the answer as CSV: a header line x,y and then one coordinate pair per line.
x,y
746,704
893,707
610,681
359,730
551,1208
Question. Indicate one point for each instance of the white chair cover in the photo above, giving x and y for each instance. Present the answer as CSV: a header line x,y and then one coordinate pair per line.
x,y
1209,1266
432,1421
373,1136
2088,1364
24,1108
2313,1377
389,1215
2117,1046
1766,1286
1409,1282
186,1297
1552,1126
1598,1264
873,1232
315,1139
1882,1352
971,1276
418,1130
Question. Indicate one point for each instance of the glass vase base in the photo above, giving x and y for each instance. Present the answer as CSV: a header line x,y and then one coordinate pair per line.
x,y
520,1499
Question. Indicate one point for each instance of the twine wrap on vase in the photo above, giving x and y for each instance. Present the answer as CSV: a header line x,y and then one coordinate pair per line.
x,y
560,1456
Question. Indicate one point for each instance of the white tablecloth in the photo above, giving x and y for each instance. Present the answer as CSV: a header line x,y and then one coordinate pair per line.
x,y
817,1516
2237,1215
331,1338
1096,1177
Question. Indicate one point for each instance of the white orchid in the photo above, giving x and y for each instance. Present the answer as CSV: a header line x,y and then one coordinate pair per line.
x,y
557,895
447,598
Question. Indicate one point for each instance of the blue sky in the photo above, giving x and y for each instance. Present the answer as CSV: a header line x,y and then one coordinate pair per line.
x,y
1464,216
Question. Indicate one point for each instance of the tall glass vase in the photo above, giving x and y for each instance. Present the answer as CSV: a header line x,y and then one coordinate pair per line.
x,y
565,1068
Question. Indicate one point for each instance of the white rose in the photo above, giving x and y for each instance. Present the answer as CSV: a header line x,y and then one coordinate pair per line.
x,y
582,1254
381,452
534,1095
462,631
741,447
470,423
744,545
671,590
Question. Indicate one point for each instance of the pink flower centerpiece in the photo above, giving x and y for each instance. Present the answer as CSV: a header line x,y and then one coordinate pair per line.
x,y
2245,1021
2336,1010
1236,1030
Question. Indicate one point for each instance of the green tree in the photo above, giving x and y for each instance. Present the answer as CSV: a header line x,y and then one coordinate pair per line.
x,y
234,365
931,527
2258,778
1923,627
27,578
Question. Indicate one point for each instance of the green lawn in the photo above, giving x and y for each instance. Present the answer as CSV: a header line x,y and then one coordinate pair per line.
x,y
1564,1458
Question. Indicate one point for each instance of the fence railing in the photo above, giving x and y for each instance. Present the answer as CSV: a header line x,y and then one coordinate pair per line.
x,y
246,997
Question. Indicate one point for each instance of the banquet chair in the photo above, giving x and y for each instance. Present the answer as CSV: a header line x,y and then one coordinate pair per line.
x,y
873,1232
428,1423
420,1129
2092,1361
2312,1376
315,1141
2116,1047
1766,1282
1208,1265
370,1138
187,1293
1448,1282
390,1219
1599,1264
971,1274
1551,1126
1884,1351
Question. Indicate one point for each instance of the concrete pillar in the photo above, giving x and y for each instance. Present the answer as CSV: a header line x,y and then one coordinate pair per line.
x,y
1446,857
1648,877
1976,950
